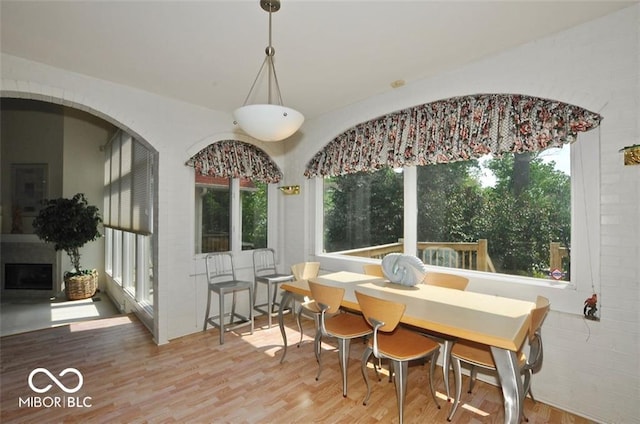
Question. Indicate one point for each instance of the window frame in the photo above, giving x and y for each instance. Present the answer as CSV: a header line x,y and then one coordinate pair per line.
x,y
235,206
585,237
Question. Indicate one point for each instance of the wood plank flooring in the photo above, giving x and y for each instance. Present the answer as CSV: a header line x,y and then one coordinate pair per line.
x,y
128,379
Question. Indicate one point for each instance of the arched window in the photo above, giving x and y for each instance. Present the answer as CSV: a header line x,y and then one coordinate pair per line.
x,y
231,186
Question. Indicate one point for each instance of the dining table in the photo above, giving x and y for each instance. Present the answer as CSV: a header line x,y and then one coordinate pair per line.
x,y
499,322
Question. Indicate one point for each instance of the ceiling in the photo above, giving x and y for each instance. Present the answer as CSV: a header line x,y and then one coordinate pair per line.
x,y
329,54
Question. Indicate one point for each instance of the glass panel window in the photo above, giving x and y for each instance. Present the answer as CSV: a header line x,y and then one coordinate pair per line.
x,y
117,256
129,262
253,201
144,269
363,213
214,197
510,215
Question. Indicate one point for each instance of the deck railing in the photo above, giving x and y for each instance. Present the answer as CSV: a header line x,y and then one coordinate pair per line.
x,y
556,254
469,255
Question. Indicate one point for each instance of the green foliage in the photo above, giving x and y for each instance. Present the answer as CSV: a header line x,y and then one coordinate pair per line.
x,y
254,217
69,224
521,226
216,206
449,202
363,209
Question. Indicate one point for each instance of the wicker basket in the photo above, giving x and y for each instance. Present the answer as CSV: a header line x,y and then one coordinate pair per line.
x,y
81,286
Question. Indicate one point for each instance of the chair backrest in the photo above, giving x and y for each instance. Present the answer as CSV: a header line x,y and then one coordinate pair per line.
x,y
305,270
538,314
373,269
385,311
220,267
536,352
327,295
440,256
264,261
442,279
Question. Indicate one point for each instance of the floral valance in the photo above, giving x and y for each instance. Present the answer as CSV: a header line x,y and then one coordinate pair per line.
x,y
236,159
454,129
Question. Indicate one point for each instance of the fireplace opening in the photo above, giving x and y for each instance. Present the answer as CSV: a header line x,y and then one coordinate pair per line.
x,y
28,276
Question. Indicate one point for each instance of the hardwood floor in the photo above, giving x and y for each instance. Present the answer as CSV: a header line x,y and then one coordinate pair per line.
x,y
128,379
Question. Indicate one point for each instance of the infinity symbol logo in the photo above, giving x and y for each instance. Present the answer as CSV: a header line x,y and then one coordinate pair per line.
x,y
55,380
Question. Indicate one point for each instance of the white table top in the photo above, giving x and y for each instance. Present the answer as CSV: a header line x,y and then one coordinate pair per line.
x,y
487,319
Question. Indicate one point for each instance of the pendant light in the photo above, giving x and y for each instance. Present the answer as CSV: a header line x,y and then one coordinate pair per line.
x,y
270,121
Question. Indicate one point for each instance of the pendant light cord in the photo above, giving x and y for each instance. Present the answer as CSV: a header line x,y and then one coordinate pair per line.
x,y
270,51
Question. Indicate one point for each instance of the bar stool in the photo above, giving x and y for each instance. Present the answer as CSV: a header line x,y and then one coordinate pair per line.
x,y
264,268
221,279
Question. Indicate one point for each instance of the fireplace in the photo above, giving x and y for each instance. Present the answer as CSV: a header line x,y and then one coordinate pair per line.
x,y
29,268
28,276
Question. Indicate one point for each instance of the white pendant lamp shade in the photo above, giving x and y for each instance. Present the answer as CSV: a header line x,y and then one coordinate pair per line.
x,y
268,122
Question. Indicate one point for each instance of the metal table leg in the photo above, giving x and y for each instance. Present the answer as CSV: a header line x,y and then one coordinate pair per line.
x,y
286,299
446,363
512,390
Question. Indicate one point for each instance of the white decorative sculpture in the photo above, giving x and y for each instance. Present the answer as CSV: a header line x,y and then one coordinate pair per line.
x,y
407,270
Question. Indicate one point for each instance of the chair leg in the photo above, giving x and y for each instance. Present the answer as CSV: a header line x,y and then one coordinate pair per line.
x,y
233,308
318,347
206,313
251,301
317,341
400,369
299,322
527,385
458,380
343,352
274,295
432,370
255,291
269,303
365,359
221,306
472,378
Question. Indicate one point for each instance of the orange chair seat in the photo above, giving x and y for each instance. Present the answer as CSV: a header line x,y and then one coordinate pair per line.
x,y
479,354
347,326
404,345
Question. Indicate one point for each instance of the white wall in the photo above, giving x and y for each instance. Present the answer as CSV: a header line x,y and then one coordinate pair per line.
x,y
590,368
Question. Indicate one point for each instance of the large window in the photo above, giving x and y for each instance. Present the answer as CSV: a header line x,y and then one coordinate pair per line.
x,y
509,215
215,206
128,218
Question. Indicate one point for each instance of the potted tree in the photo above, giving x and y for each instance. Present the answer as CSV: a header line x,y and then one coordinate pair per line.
x,y
70,224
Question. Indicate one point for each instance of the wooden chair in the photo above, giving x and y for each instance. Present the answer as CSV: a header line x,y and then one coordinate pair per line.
x,y
309,308
342,326
373,269
442,279
221,279
395,343
265,272
479,355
